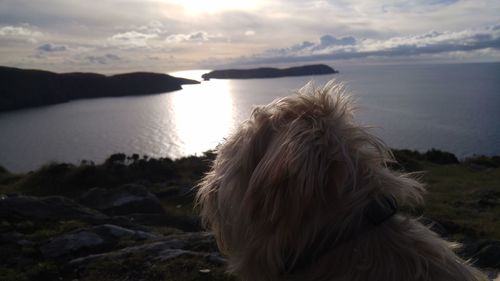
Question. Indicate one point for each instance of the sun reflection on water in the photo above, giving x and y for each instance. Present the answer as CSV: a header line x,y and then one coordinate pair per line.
x,y
202,115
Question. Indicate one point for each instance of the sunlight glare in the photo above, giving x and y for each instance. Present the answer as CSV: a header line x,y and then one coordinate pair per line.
x,y
203,115
214,6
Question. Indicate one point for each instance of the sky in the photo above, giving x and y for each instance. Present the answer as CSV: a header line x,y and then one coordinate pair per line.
x,y
111,36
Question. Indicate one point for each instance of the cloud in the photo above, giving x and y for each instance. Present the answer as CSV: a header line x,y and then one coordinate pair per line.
x,y
152,27
332,48
280,31
416,6
18,31
24,32
197,36
328,40
50,48
132,39
104,59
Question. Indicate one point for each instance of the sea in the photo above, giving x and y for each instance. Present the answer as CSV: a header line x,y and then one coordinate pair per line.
x,y
452,107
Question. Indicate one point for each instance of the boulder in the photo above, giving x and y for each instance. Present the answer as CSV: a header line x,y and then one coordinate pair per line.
x,y
16,238
71,243
147,251
91,240
110,231
488,255
199,245
127,199
51,208
184,223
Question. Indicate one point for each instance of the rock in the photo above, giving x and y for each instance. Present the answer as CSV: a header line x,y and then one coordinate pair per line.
x,y
434,226
488,255
169,254
216,258
17,238
109,230
71,243
149,251
51,208
176,257
182,191
183,223
200,244
127,199
91,240
197,241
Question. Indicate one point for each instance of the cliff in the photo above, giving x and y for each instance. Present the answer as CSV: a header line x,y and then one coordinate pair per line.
x,y
22,88
268,72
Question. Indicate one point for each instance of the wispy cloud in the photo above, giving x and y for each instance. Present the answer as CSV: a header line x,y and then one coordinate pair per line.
x,y
132,39
197,36
22,32
349,47
188,34
50,48
104,59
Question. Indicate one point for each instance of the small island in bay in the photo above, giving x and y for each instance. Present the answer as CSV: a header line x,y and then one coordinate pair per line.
x,y
23,88
269,72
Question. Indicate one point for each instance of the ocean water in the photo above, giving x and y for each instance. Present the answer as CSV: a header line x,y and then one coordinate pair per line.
x,y
454,107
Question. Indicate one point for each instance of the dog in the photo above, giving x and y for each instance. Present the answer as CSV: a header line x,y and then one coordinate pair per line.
x,y
300,191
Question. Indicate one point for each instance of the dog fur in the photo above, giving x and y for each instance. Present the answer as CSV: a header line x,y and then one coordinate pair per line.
x,y
288,193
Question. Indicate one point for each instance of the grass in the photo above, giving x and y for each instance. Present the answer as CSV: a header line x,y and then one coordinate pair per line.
x,y
182,268
465,198
462,196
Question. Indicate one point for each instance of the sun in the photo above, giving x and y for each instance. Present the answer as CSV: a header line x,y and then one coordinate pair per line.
x,y
214,6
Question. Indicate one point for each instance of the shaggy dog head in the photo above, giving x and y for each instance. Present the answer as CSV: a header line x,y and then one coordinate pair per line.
x,y
302,192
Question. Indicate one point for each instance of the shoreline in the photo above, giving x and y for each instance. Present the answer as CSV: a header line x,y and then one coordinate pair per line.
x,y
420,154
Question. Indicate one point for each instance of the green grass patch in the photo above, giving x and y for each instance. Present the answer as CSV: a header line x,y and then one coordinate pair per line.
x,y
466,197
182,268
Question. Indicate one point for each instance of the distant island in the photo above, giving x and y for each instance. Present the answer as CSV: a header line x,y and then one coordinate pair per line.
x,y
269,72
23,88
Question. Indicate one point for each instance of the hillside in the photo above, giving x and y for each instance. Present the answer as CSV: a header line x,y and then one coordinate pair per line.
x,y
132,217
269,72
23,88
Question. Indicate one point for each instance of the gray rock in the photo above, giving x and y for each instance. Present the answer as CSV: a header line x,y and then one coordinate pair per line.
x,y
184,223
17,238
118,232
169,254
488,255
91,240
200,244
127,199
216,258
71,243
149,251
53,208
197,241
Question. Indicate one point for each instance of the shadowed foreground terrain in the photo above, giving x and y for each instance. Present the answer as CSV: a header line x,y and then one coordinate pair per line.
x,y
132,217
